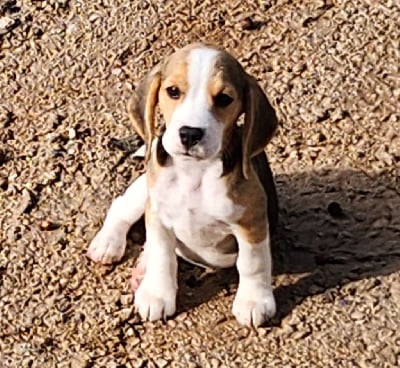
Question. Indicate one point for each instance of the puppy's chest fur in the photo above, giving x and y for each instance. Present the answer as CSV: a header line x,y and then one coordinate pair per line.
x,y
192,200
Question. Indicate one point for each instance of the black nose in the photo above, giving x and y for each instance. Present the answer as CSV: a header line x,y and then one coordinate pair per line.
x,y
190,136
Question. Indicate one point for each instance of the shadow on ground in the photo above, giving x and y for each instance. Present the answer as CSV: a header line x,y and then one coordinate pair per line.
x,y
335,227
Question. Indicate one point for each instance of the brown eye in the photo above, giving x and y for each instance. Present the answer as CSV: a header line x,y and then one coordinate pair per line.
x,y
222,100
174,92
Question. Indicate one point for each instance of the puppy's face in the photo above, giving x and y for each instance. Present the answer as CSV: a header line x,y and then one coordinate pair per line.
x,y
201,91
201,98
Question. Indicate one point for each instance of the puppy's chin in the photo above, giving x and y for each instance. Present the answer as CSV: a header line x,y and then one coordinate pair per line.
x,y
191,154
198,152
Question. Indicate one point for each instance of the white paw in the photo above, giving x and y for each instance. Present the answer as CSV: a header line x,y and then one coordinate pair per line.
x,y
155,303
107,246
254,307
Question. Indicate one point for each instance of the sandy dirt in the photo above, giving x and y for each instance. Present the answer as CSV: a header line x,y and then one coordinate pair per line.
x,y
330,69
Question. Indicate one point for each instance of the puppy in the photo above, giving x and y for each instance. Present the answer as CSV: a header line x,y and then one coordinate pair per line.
x,y
208,193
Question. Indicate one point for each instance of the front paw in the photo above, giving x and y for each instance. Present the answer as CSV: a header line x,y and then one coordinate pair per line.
x,y
254,307
155,303
107,247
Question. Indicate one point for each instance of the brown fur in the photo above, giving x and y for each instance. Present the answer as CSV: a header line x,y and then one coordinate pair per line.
x,y
141,108
259,125
256,196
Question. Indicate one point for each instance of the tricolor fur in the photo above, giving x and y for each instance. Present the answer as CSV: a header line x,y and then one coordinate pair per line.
x,y
208,193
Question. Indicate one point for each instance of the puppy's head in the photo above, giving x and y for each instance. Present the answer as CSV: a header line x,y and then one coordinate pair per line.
x,y
201,92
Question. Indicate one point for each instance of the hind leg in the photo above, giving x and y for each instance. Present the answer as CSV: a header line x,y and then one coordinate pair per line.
x,y
109,244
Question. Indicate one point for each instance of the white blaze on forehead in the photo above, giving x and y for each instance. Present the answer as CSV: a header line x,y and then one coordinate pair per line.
x,y
194,110
201,62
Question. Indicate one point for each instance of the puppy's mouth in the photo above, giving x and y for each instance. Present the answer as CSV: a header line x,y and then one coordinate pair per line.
x,y
192,155
189,154
196,152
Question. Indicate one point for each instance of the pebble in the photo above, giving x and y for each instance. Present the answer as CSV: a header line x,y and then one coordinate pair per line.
x,y
27,201
47,225
71,133
126,299
161,363
5,24
247,24
79,362
300,334
357,315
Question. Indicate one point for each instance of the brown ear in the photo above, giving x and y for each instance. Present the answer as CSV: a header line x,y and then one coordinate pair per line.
x,y
259,123
141,107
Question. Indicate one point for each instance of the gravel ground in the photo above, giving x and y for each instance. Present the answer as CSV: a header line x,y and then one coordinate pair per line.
x,y
331,70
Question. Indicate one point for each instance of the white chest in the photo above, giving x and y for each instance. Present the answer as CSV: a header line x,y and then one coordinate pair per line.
x,y
192,201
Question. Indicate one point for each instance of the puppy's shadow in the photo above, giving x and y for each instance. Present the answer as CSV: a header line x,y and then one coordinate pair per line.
x,y
334,227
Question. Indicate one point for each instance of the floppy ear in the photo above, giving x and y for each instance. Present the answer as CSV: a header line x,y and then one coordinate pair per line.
x,y
141,107
259,123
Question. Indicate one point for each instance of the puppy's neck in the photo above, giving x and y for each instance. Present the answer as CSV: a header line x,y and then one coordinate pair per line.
x,y
191,174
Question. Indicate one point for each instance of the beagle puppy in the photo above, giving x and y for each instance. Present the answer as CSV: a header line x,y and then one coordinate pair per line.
x,y
208,193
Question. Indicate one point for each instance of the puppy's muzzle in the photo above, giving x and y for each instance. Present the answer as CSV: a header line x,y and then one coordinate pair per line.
x,y
190,136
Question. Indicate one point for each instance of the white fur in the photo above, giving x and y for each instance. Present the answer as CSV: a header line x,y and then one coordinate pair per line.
x,y
191,199
156,296
194,111
109,244
189,204
254,301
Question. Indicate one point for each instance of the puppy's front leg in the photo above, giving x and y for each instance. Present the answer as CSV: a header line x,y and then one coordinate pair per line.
x,y
110,242
155,297
254,302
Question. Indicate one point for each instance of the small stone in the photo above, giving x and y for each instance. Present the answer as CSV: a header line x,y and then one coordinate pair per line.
x,y
47,225
79,362
27,202
6,24
116,71
71,29
139,363
247,24
63,282
93,17
161,362
126,299
215,363
44,225
357,315
390,355
71,133
300,334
